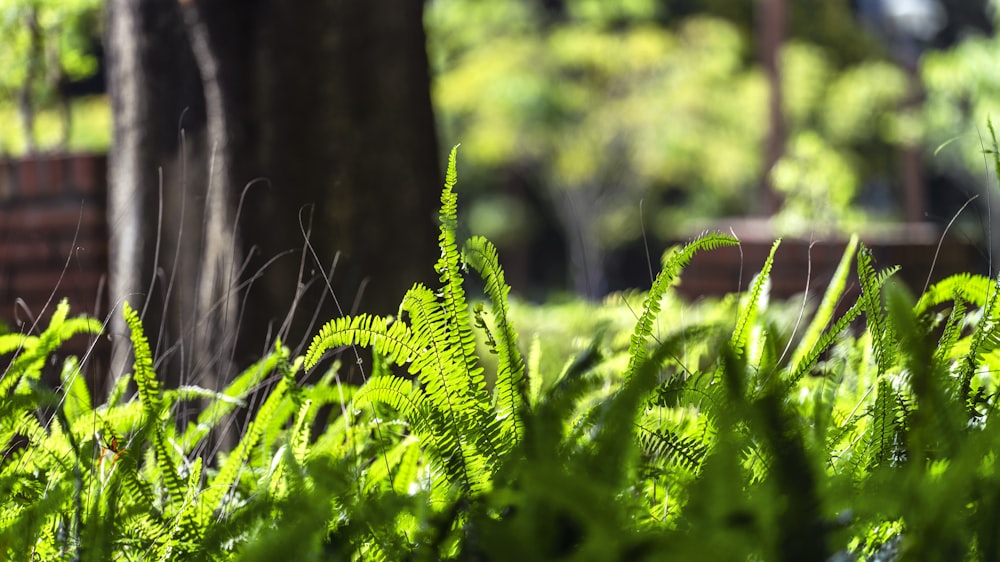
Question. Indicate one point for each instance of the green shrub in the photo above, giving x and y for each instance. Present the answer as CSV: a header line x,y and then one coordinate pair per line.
x,y
721,436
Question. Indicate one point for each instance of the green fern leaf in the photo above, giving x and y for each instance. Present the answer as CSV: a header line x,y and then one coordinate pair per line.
x,y
974,288
461,341
808,362
952,330
883,339
748,314
214,500
827,307
666,445
985,338
143,374
673,264
233,396
77,403
392,339
399,394
510,389
883,431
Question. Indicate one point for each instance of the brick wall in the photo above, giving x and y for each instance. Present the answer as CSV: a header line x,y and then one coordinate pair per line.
x,y
913,248
53,236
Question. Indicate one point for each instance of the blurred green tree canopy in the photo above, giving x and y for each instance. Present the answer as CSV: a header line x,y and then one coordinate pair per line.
x,y
607,103
45,45
963,90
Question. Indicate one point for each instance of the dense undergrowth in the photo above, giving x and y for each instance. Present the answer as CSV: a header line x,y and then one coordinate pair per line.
x,y
716,436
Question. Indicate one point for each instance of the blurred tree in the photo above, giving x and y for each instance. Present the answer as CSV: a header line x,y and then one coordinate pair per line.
x,y
615,102
44,47
243,128
962,92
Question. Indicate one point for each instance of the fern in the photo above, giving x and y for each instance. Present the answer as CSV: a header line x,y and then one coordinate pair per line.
x,y
77,402
952,330
829,338
985,338
462,427
973,287
460,337
674,262
143,374
926,378
665,444
824,314
229,399
510,389
214,498
884,430
33,351
748,313
883,338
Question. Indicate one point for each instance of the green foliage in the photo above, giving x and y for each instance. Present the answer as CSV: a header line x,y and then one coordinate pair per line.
x,y
960,94
91,131
600,104
642,428
46,44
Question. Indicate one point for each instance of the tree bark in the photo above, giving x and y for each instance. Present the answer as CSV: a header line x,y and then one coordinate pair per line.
x,y
154,167
295,114
350,143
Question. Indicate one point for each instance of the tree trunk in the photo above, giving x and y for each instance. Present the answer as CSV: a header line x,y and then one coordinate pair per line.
x,y
155,168
321,113
349,141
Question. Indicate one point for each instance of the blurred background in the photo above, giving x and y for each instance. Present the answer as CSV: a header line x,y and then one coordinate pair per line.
x,y
595,132
600,122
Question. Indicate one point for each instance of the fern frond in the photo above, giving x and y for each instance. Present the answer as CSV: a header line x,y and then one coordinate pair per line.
x,y
172,481
441,367
214,497
612,441
292,455
883,338
143,374
399,394
673,264
510,389
974,288
34,351
461,340
936,411
392,339
77,402
233,396
461,417
883,431
407,471
952,330
665,445
809,360
985,338
827,307
748,314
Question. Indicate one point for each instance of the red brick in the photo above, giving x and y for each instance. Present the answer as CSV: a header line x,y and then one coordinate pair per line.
x,y
55,219
8,184
82,260
76,284
27,179
15,252
88,173
50,176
